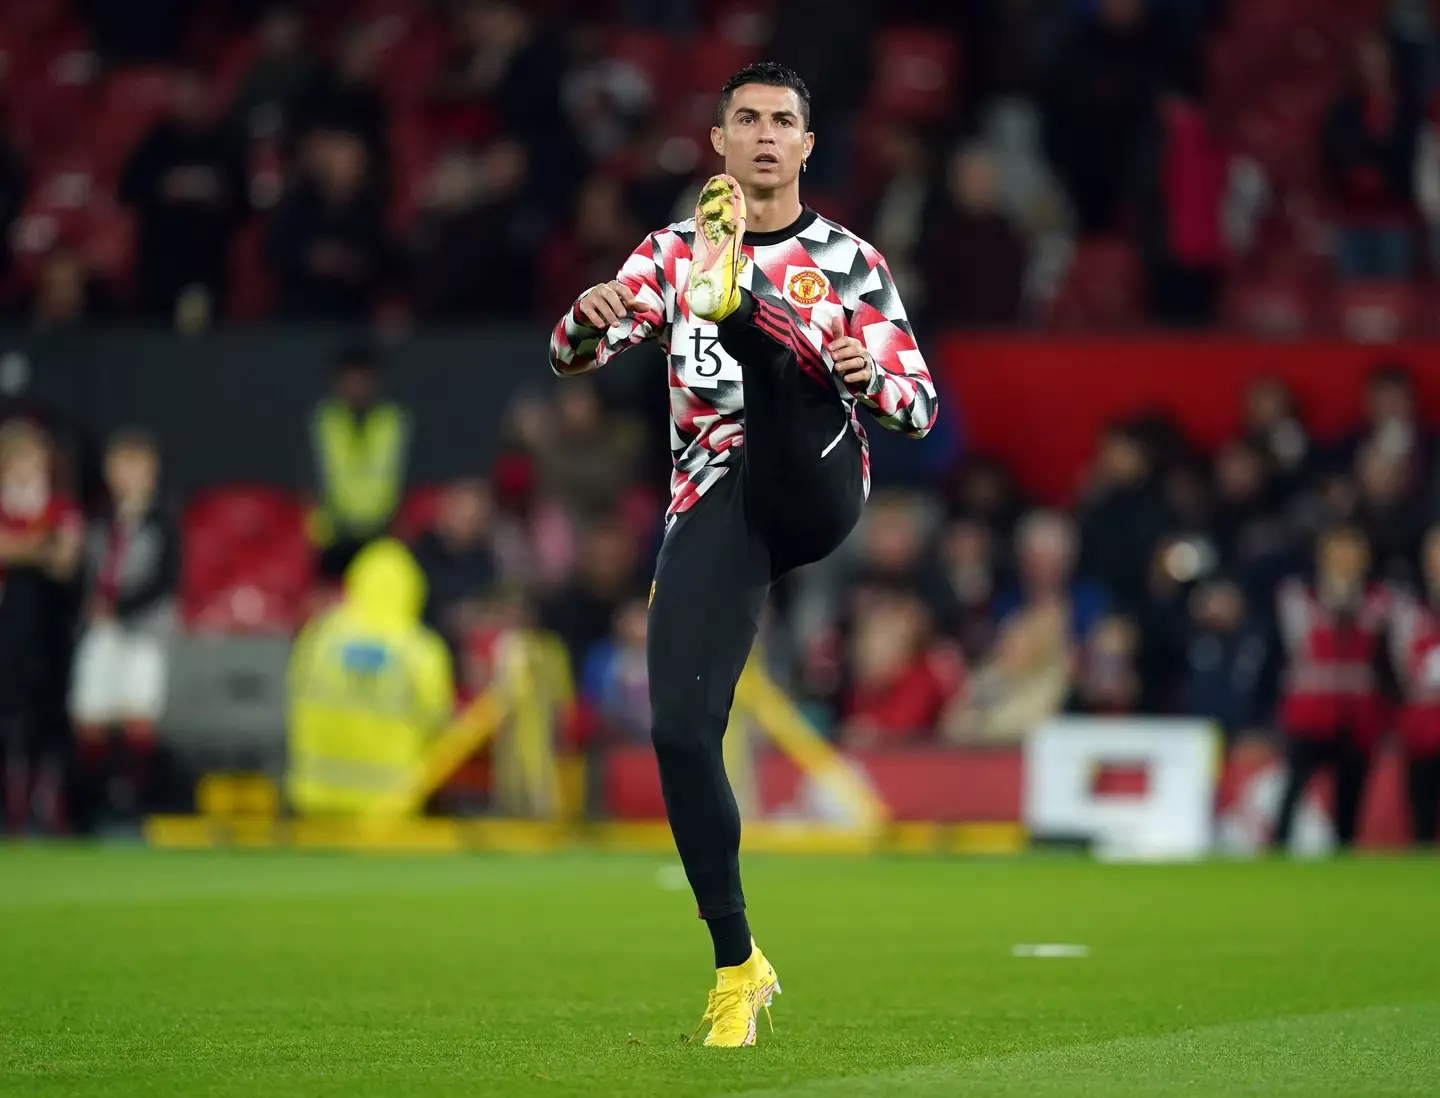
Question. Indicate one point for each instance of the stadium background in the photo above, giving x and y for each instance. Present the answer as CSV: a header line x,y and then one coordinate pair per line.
x,y
1118,224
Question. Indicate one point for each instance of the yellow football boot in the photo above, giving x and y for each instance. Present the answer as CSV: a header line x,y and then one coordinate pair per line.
x,y
713,288
740,994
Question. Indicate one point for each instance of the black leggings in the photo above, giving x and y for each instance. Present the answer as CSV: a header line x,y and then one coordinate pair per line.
x,y
1304,758
1423,778
791,499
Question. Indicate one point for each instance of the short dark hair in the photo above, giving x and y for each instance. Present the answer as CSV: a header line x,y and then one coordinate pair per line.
x,y
772,74
133,438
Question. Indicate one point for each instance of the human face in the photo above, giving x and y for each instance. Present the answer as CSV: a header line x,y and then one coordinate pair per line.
x,y
130,473
763,141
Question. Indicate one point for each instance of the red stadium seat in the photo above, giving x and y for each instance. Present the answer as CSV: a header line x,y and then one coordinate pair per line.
x,y
1377,312
418,511
243,513
916,73
1102,289
245,608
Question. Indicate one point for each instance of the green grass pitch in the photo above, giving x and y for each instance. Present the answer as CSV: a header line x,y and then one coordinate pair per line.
x,y
265,975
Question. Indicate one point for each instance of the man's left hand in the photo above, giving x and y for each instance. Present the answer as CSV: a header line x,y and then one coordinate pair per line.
x,y
852,361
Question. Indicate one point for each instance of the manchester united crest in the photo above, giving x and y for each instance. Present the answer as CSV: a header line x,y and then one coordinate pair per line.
x,y
806,287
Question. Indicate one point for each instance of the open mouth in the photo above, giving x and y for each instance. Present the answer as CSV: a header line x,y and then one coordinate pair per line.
x,y
767,159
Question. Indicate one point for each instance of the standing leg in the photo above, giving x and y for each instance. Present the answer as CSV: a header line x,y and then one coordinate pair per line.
x,y
1351,767
710,586
1423,774
1302,758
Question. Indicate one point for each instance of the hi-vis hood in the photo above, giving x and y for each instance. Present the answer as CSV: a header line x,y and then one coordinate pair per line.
x,y
384,586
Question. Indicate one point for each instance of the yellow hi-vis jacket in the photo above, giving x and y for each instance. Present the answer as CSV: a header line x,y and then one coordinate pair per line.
x,y
370,687
361,469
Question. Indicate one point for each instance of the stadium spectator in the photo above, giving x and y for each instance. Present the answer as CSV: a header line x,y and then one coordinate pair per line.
x,y
503,76
1227,660
968,559
588,460
350,756
359,453
346,97
899,680
582,613
1270,421
280,77
591,246
1045,555
985,490
1123,518
534,538
615,681
606,99
66,292
1389,512
186,182
1393,426
1332,709
1249,531
972,258
473,244
1022,684
1180,194
897,219
327,246
457,560
131,571
1414,650
40,537
1098,96
1107,680
1370,140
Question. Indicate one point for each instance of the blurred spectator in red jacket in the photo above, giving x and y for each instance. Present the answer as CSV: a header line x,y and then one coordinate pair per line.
x,y
615,680
900,682
473,245
1332,707
280,77
1182,182
1099,94
590,247
186,181
327,247
1023,683
40,541
1370,140
971,258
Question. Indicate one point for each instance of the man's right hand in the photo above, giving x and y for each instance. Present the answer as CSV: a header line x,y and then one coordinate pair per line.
x,y
606,304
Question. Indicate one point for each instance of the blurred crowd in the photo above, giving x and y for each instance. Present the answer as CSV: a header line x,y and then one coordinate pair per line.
x,y
446,159
1286,589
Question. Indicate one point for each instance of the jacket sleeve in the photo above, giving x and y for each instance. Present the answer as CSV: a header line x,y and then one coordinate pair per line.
x,y
163,579
901,393
577,348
